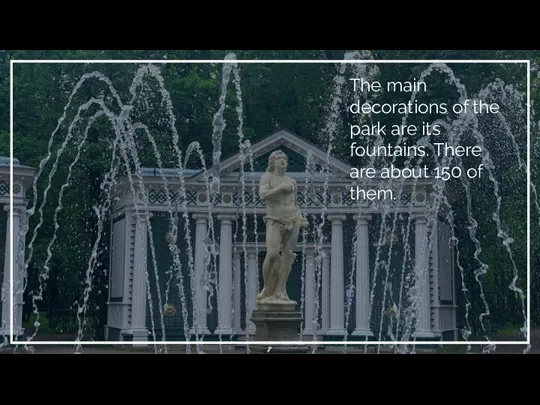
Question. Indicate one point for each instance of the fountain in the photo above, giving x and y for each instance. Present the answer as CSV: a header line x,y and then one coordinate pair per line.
x,y
185,263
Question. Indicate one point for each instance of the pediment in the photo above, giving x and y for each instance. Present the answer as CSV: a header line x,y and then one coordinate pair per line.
x,y
296,148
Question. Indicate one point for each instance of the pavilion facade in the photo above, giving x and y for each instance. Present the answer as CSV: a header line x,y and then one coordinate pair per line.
x,y
349,281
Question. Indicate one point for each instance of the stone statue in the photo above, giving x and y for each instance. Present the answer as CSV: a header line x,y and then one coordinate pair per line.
x,y
283,222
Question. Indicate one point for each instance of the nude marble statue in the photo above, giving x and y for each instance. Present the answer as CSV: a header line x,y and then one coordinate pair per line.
x,y
283,223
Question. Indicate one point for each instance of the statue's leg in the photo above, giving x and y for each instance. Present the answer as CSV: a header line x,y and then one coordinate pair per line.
x,y
287,258
272,259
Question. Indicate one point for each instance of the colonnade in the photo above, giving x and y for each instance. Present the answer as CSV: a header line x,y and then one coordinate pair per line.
x,y
332,300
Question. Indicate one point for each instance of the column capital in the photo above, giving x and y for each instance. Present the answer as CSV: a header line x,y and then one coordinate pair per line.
x,y
337,218
362,219
200,217
140,215
419,218
17,209
226,218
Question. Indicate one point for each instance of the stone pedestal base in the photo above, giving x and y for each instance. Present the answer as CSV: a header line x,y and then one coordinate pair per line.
x,y
277,322
279,349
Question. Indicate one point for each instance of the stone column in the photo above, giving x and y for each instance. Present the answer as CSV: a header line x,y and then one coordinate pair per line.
x,y
5,292
201,296
362,288
309,301
337,287
139,293
225,276
18,269
252,292
325,299
237,317
13,218
421,258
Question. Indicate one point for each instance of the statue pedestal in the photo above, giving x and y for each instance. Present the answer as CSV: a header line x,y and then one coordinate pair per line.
x,y
277,322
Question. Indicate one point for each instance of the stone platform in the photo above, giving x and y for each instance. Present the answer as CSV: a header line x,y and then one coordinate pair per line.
x,y
277,322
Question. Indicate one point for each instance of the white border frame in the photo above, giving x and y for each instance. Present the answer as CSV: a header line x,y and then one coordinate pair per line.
x,y
280,343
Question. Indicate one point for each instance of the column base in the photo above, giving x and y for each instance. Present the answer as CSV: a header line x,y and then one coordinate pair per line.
x,y
139,337
18,335
200,331
223,331
238,333
362,333
308,333
336,332
241,337
425,335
